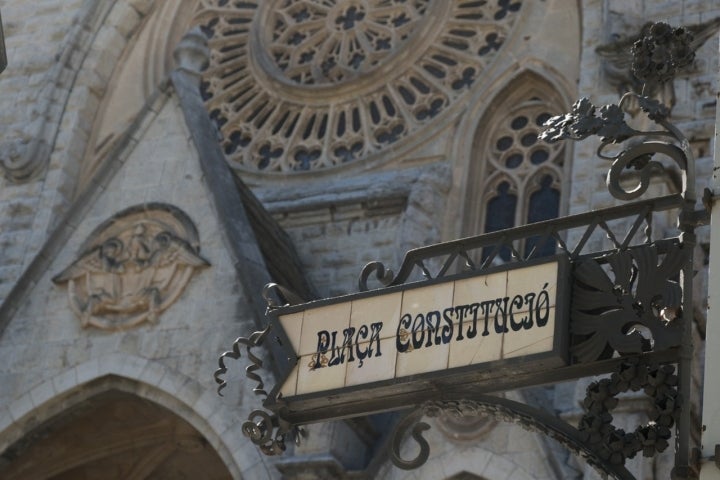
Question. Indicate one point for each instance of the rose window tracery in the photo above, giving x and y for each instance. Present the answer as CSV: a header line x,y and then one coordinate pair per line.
x,y
297,85
320,42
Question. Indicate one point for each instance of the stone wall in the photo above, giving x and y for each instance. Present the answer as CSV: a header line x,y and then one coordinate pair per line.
x,y
50,355
340,226
63,56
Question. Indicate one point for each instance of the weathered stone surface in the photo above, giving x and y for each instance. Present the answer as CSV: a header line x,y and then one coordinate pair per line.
x,y
90,127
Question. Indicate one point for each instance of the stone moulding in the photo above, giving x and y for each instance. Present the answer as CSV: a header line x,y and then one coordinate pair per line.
x,y
132,267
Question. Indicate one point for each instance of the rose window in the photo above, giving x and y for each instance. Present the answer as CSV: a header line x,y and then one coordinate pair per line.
x,y
297,85
320,42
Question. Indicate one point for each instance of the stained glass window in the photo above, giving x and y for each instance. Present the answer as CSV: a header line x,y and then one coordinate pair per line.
x,y
518,178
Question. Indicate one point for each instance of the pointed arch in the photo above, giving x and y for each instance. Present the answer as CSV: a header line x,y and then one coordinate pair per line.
x,y
138,73
465,476
41,407
505,146
114,434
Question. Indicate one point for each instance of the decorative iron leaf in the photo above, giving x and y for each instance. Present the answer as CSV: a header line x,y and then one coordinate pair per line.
x,y
622,266
592,275
617,314
584,120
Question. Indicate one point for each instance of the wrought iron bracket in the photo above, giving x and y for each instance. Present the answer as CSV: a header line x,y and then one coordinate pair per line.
x,y
650,288
657,55
602,445
266,429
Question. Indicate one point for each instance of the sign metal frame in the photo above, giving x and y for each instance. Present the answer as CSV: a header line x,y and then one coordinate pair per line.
x,y
639,285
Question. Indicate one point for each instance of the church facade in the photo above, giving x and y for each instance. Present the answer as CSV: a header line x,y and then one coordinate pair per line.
x,y
164,161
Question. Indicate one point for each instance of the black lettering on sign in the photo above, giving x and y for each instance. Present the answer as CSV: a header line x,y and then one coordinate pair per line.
x,y
366,352
447,329
487,308
542,309
322,347
418,332
499,316
515,305
354,342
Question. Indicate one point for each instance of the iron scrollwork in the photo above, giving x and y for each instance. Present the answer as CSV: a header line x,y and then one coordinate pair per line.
x,y
601,444
412,422
597,440
657,56
276,296
255,340
383,274
266,430
608,122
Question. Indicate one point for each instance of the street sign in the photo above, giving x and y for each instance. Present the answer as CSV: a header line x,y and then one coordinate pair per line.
x,y
444,344
505,321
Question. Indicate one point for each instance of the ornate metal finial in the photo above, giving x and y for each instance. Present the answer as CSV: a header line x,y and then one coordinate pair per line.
x,y
647,61
660,52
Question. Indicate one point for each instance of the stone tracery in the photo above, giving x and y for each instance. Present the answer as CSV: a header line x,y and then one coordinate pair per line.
x,y
320,42
519,178
327,82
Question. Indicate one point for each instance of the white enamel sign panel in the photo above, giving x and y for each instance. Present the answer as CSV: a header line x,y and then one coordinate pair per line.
x,y
504,317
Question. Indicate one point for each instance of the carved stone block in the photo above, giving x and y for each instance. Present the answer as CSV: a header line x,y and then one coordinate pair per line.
x,y
132,267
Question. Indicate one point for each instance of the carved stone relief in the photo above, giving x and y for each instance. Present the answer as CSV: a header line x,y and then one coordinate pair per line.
x,y
297,86
132,267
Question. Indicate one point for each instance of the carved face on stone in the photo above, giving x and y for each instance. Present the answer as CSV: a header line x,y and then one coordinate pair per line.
x,y
132,267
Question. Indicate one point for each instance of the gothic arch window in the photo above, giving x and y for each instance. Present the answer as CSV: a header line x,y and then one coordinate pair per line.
x,y
516,178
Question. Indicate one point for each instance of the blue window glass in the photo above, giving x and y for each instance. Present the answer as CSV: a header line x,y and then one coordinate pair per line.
x,y
544,204
500,214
